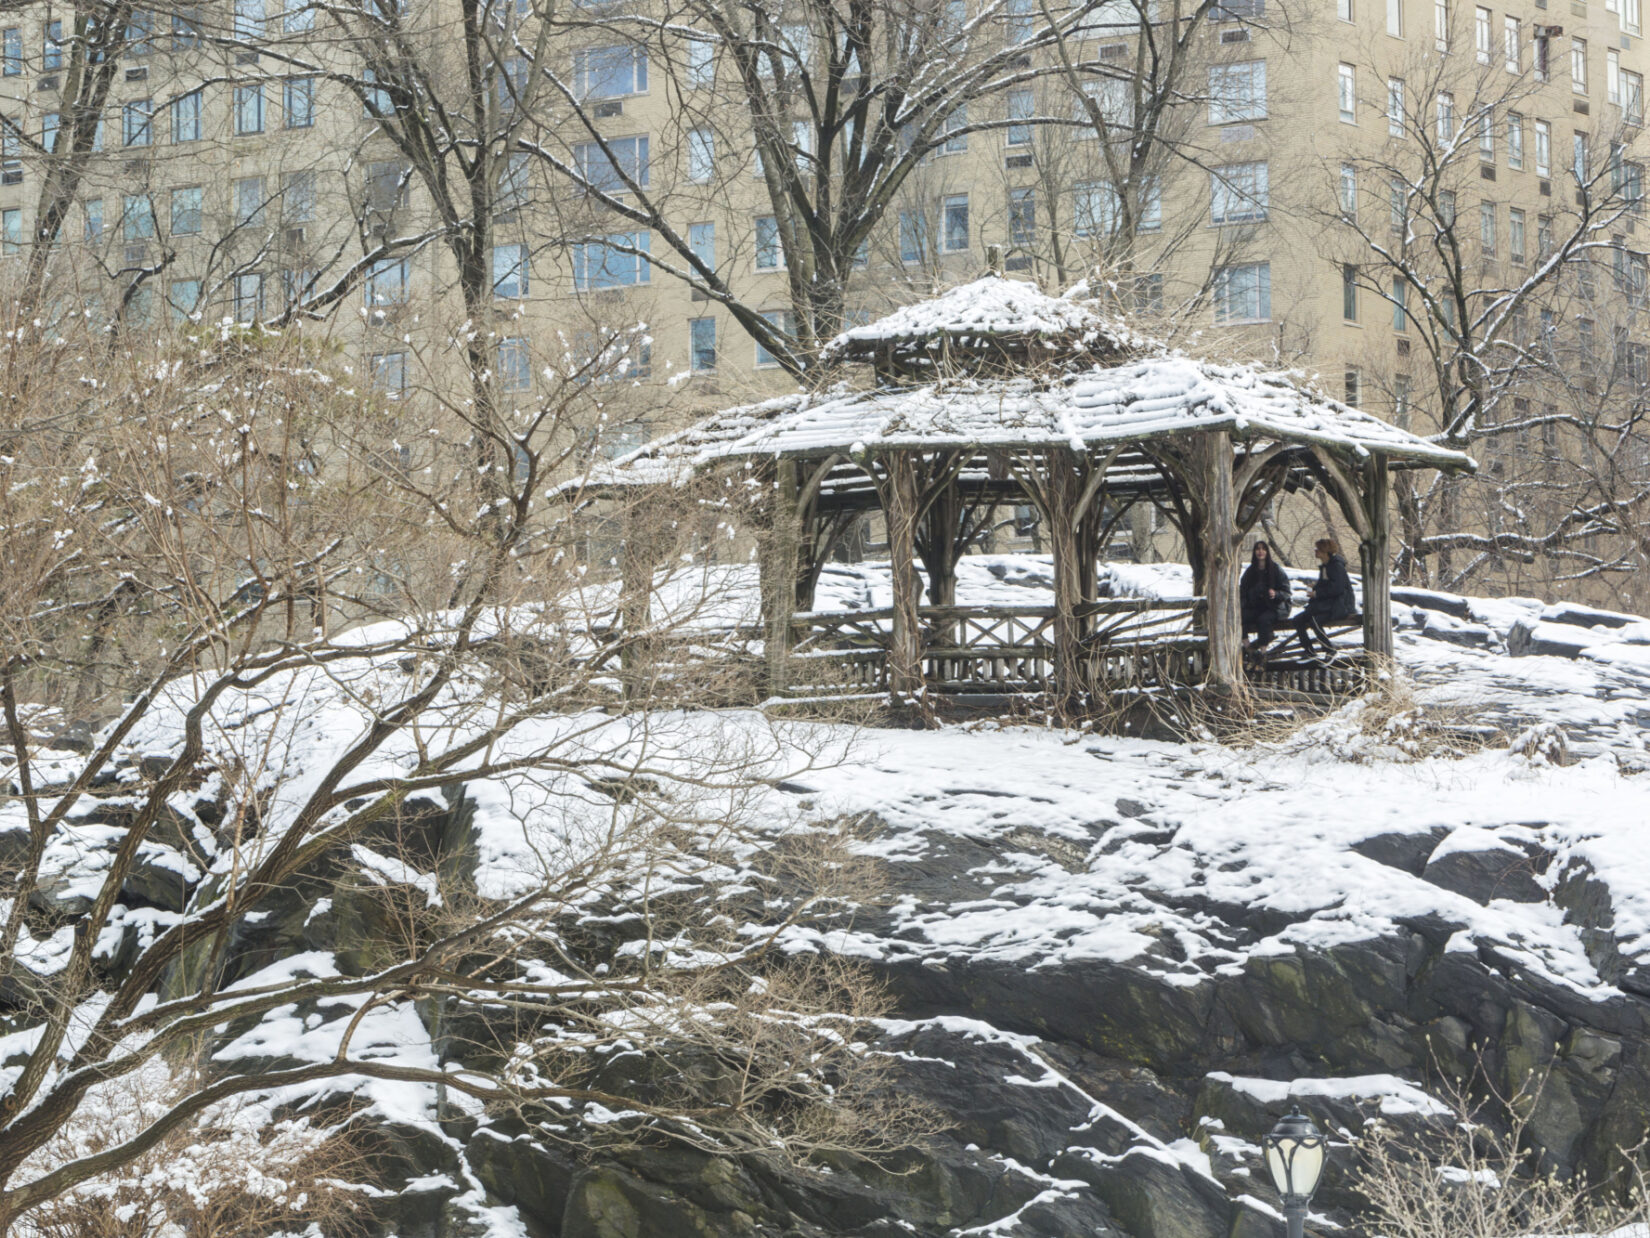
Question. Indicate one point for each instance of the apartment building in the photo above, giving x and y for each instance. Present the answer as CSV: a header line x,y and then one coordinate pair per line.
x,y
1325,171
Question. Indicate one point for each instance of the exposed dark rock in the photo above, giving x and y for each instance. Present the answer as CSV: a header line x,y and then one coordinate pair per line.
x,y
1495,871
1407,849
1452,604
1529,638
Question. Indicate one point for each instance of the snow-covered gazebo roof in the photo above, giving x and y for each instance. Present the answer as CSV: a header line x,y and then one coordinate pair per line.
x,y
1140,400
990,316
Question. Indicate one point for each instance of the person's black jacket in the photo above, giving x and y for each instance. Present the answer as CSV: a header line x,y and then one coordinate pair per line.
x,y
1332,598
1256,581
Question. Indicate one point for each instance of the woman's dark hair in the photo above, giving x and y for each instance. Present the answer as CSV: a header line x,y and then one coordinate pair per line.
x,y
1328,545
1254,555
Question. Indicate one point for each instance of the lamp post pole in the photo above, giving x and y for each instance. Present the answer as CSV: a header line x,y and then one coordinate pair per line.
x,y
1295,1152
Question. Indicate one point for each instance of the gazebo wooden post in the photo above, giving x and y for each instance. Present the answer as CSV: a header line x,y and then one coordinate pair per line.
x,y
901,511
1220,573
1065,499
636,566
1375,552
778,570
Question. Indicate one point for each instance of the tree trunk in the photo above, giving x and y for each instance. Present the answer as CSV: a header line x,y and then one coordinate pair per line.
x,y
905,649
1221,565
1376,554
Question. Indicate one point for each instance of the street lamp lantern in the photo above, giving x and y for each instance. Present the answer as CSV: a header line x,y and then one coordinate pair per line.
x,y
1295,1152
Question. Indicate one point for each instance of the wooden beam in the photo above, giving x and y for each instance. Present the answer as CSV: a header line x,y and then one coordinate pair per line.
x,y
637,562
1375,552
779,572
901,507
1220,556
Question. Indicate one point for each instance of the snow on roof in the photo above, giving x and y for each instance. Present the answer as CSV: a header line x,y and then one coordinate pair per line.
x,y
991,307
1142,399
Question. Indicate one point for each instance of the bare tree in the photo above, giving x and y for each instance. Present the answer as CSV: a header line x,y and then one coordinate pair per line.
x,y
342,636
1517,317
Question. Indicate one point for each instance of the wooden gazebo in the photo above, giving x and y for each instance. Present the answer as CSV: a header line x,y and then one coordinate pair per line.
x,y
995,393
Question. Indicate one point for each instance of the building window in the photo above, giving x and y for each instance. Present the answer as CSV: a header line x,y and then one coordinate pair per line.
x,y
186,30
1395,107
249,201
1446,207
954,223
186,117
1349,192
702,244
785,321
702,345
11,50
1237,92
1486,228
510,271
299,17
515,367
1395,18
1354,388
618,261
1543,148
1440,24
1515,142
1446,117
701,155
1238,193
1543,235
249,297
93,212
1243,293
137,217
386,283
610,72
1343,9
137,123
11,231
1632,97
1022,217
249,20
1398,199
1400,401
11,154
606,170
51,50
1021,106
1148,294
1515,234
770,252
1349,292
1579,162
387,371
1400,304
249,109
186,210
140,28
375,101
1482,34
388,186
701,64
1512,49
1578,66
183,296
1486,138
298,102
1346,85
953,142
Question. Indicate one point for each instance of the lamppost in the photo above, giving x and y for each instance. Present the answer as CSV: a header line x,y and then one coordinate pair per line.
x,y
1294,1154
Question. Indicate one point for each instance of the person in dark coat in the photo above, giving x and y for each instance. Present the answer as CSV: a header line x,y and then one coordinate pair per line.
x,y
1263,594
1331,598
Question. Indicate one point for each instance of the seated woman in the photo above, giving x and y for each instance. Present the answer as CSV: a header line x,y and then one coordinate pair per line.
x,y
1263,595
1331,598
